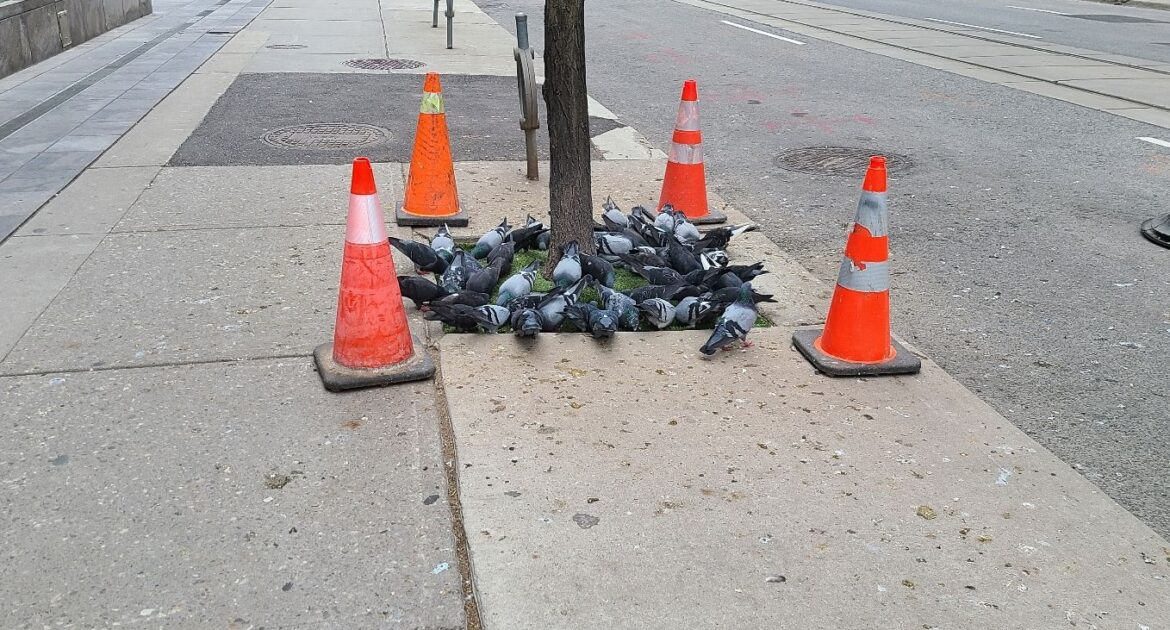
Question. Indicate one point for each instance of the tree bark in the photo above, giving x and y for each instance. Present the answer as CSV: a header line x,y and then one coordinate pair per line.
x,y
565,95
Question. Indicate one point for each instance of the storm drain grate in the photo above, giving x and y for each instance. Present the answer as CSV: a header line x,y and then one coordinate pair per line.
x,y
326,136
384,64
842,161
286,46
1117,19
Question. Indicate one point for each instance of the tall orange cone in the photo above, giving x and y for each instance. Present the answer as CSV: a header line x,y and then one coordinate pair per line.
x,y
685,183
372,344
856,339
431,197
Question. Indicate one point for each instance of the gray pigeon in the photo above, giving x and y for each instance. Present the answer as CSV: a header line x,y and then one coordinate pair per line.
x,y
484,280
518,285
456,315
652,274
691,310
526,322
612,214
684,230
443,244
420,290
720,237
736,321
665,219
423,257
505,251
599,268
455,277
491,317
658,311
620,303
552,307
713,258
525,237
568,270
600,323
613,244
490,239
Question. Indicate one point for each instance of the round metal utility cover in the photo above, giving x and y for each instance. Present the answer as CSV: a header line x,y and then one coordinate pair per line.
x,y
326,136
384,64
838,161
286,46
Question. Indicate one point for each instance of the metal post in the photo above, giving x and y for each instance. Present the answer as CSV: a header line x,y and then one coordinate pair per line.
x,y
435,16
526,82
522,31
450,16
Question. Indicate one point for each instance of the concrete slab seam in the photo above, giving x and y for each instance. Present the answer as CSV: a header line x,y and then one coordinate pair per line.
x,y
454,502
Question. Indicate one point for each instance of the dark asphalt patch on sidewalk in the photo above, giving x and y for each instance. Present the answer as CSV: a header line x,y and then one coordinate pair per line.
x,y
483,117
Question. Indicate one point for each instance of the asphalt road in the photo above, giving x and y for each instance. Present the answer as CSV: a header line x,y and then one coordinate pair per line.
x,y
1019,267
1121,30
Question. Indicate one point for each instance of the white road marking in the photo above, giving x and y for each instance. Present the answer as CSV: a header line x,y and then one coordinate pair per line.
x,y
597,110
983,28
1161,143
1036,10
764,33
625,143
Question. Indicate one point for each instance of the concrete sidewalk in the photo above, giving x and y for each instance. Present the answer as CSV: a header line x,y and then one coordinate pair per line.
x,y
633,484
171,459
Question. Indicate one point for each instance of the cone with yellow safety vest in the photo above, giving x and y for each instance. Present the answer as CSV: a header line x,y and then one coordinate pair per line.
x,y
856,339
685,183
431,197
372,344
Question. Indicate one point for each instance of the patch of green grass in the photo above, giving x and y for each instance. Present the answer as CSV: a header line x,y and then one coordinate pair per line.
x,y
624,281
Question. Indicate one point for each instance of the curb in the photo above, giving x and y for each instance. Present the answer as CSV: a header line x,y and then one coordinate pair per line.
x,y
1164,5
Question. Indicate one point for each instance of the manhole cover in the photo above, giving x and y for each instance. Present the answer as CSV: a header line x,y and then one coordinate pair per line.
x,y
286,46
326,136
1117,19
842,161
384,64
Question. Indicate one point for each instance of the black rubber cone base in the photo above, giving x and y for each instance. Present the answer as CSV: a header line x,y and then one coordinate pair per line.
x,y
405,219
338,378
1157,230
904,361
713,216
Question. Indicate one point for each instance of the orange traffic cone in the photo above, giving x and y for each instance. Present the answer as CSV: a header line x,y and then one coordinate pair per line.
x,y
372,344
856,339
431,197
685,184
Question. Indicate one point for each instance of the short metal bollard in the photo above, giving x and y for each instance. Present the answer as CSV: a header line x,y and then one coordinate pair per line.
x,y
526,83
450,23
435,16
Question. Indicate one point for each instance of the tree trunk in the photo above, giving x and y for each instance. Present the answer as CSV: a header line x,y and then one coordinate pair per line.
x,y
570,196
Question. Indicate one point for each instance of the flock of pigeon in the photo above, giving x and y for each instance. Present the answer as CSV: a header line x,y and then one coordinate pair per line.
x,y
689,275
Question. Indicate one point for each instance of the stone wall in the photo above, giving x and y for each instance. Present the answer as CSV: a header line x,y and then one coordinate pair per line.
x,y
34,30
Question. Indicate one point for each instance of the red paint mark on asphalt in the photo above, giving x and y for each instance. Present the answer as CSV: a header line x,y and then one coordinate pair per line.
x,y
862,118
668,55
636,35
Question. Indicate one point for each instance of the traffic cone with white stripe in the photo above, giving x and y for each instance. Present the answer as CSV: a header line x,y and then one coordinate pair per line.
x,y
431,197
685,183
372,344
856,339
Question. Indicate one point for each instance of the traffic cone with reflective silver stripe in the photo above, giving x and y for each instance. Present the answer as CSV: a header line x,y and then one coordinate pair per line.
x,y
685,183
856,339
372,344
431,197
